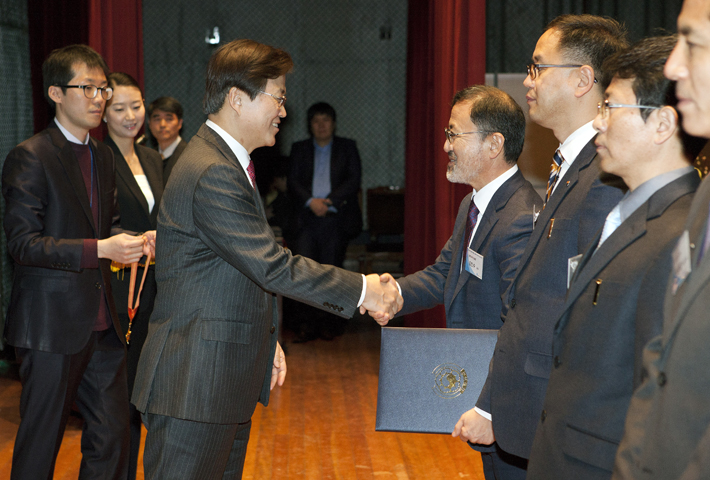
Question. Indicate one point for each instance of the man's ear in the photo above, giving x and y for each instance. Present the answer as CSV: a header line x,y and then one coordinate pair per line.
x,y
496,141
55,93
667,119
585,81
234,99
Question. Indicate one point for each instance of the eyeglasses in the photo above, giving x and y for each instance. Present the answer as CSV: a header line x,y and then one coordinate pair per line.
x,y
280,100
90,91
451,136
534,69
603,108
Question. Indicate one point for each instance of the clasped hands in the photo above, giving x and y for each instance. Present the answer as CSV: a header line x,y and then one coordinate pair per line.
x,y
126,249
382,298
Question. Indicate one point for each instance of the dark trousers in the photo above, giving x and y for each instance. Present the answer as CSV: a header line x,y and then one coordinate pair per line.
x,y
94,378
500,465
186,450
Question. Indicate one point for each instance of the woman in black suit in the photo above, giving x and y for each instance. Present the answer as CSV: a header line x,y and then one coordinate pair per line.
x,y
139,181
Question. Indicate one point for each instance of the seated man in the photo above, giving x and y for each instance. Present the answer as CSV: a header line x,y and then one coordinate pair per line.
x,y
615,301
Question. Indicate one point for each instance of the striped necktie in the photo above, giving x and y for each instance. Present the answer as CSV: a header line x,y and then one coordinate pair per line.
x,y
252,173
554,174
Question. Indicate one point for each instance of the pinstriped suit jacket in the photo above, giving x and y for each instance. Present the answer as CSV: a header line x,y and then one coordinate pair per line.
x,y
212,335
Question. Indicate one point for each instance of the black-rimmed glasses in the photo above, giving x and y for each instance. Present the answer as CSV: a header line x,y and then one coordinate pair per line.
x,y
280,100
451,136
90,91
604,107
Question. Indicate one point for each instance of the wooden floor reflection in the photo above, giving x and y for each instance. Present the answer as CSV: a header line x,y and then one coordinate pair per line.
x,y
319,425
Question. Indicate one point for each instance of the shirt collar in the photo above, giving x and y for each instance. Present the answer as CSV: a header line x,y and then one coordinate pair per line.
x,y
235,146
325,148
69,136
171,148
633,200
483,197
570,148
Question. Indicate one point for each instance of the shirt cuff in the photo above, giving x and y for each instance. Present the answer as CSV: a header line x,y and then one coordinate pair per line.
x,y
364,291
485,415
90,253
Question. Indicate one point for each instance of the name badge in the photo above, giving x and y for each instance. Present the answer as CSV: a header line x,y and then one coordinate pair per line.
x,y
572,264
681,261
474,263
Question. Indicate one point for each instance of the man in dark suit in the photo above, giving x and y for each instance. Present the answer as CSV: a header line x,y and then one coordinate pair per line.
x,y
323,182
615,302
211,352
483,140
62,228
667,430
165,124
563,92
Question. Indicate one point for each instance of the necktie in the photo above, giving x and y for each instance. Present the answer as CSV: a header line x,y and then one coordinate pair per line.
x,y
554,174
471,223
613,220
252,173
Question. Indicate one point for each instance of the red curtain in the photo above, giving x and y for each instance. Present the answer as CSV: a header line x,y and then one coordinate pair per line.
x,y
114,28
446,52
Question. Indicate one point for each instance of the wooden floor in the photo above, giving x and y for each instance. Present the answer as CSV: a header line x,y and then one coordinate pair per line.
x,y
319,425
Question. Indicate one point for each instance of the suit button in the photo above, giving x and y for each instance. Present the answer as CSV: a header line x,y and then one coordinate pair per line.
x,y
661,379
98,286
273,329
557,361
512,303
543,416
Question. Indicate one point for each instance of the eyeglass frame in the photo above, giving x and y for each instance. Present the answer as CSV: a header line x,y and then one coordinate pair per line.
x,y
608,106
450,136
535,68
280,100
108,90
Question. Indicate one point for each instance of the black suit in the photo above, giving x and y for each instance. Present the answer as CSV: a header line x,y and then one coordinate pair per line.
x,y
54,305
170,162
136,216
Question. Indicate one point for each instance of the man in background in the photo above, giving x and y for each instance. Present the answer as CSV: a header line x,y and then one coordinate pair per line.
x,y
165,124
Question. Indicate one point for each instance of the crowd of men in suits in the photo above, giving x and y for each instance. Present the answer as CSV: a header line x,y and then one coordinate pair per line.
x,y
599,290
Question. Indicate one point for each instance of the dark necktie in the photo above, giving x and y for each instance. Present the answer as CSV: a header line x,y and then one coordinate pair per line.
x,y
252,173
471,222
554,174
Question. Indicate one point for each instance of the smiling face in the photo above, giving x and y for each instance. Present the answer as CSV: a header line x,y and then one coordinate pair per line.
x,y
549,92
262,116
624,140
165,127
125,113
689,66
75,112
466,159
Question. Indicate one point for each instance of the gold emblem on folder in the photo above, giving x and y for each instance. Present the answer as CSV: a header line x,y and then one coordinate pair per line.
x,y
450,380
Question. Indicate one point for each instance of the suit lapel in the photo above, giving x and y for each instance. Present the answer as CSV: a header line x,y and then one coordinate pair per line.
x,y
69,162
155,180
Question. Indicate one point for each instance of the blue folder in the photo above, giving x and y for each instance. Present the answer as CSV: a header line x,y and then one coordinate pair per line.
x,y
430,376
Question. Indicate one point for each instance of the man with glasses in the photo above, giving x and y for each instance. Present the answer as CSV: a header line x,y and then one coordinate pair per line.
x,y
483,141
563,97
667,431
615,302
62,229
212,351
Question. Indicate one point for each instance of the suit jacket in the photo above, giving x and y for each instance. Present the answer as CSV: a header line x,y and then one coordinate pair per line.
x,y
667,430
213,330
169,163
54,300
599,339
502,233
517,379
344,179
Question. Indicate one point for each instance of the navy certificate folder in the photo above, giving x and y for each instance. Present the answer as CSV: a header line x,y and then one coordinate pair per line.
x,y
430,376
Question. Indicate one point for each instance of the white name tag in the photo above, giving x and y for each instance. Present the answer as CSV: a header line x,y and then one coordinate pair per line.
x,y
681,261
474,263
572,264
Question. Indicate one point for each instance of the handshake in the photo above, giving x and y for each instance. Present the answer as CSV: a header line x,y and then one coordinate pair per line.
x,y
382,298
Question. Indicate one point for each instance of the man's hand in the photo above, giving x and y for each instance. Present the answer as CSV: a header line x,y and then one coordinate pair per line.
x,y
149,245
474,428
382,298
121,248
278,371
319,206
